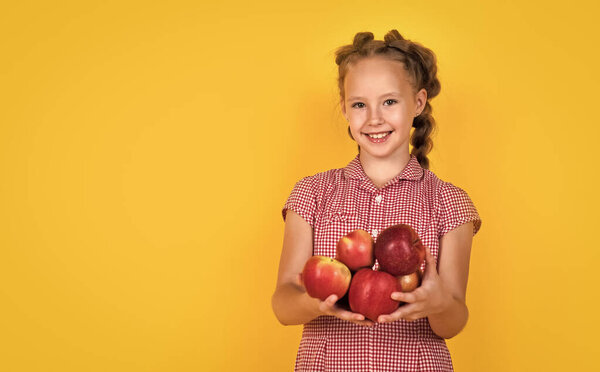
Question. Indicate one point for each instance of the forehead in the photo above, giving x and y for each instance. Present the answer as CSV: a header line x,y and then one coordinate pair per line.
x,y
375,74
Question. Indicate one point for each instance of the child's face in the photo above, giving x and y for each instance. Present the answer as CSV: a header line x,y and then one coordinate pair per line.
x,y
379,99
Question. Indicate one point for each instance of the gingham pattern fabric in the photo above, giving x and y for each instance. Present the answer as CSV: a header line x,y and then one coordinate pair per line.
x,y
341,200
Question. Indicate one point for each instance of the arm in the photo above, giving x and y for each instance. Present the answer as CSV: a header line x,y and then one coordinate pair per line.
x,y
455,253
441,296
291,304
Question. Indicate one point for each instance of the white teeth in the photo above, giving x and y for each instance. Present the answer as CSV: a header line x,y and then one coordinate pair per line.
x,y
381,135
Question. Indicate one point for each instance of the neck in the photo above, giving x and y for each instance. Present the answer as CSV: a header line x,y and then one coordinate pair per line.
x,y
381,170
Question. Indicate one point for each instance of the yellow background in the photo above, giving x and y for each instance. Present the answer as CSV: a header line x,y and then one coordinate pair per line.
x,y
146,150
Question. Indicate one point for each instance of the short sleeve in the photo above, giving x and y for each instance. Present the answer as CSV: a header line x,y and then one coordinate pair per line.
x,y
302,200
456,208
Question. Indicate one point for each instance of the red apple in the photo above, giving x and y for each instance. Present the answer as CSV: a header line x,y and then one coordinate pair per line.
x,y
370,293
355,250
399,250
323,276
411,281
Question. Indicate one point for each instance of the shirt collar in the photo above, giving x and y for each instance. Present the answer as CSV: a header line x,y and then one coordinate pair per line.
x,y
413,171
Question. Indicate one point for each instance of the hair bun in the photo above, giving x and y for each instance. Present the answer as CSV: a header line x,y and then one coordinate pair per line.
x,y
393,35
361,38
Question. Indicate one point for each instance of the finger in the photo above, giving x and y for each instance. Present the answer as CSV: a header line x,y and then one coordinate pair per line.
x,y
298,280
408,311
328,306
430,264
387,318
408,297
352,317
348,315
356,316
415,316
427,252
331,300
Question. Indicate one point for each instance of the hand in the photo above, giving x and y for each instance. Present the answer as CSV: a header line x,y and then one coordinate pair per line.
x,y
328,307
429,298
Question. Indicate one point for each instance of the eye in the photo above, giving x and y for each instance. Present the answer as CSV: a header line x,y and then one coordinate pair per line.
x,y
391,100
358,103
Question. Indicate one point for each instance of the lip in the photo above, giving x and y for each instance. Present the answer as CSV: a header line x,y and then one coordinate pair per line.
x,y
379,140
385,131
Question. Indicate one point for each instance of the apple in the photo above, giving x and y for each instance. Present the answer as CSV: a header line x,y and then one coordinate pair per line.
x,y
355,250
323,276
399,250
370,292
410,282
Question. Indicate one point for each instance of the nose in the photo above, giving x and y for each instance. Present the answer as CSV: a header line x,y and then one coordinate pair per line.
x,y
375,117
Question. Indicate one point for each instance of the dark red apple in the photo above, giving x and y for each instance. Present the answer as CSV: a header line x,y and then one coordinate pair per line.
x,y
399,250
370,292
410,282
323,276
355,250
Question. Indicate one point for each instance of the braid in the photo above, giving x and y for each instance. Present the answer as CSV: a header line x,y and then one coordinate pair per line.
x,y
421,65
421,141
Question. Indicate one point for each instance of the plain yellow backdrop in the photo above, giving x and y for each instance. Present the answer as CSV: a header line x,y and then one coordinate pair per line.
x,y
146,150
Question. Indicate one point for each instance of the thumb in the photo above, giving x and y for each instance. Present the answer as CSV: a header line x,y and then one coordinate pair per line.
x,y
430,267
298,280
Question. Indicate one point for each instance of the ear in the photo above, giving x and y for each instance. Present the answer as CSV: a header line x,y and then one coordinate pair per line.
x,y
343,107
421,99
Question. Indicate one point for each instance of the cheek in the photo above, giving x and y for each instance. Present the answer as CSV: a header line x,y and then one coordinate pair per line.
x,y
356,117
355,131
396,115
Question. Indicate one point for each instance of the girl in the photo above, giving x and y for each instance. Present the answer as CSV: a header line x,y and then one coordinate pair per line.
x,y
385,87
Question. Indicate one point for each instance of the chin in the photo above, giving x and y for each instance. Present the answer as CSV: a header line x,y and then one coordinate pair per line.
x,y
382,153
378,154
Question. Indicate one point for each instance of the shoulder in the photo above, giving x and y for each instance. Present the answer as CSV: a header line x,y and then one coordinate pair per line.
x,y
432,183
321,181
454,206
441,188
329,175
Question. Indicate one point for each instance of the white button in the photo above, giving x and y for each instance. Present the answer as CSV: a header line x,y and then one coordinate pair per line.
x,y
375,232
378,198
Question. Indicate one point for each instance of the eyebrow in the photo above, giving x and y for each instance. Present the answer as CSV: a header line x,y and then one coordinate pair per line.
x,y
383,95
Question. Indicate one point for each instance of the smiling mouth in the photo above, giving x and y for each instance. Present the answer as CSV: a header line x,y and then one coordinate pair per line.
x,y
379,135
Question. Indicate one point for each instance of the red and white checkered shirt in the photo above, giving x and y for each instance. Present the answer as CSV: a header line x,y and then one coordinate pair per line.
x,y
341,200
